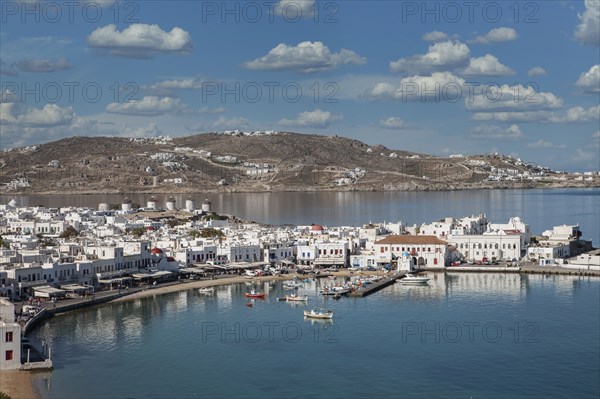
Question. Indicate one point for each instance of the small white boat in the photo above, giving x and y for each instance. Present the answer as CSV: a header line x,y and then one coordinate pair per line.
x,y
318,314
206,291
288,285
413,279
296,298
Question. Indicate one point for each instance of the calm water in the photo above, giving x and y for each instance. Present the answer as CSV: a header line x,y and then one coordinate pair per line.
x,y
542,209
465,335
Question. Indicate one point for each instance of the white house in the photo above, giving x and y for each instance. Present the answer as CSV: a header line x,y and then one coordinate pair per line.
x,y
10,337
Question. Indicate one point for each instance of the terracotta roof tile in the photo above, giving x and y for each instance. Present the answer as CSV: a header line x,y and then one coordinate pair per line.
x,y
410,239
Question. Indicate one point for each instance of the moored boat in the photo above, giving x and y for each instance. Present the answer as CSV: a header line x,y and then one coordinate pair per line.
x,y
296,297
254,294
413,279
318,314
206,291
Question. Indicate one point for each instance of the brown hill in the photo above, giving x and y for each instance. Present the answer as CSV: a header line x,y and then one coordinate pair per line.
x,y
236,162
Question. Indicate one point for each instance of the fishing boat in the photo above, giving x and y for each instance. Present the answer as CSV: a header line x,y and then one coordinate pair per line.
x,y
254,294
206,291
289,285
318,314
414,279
297,298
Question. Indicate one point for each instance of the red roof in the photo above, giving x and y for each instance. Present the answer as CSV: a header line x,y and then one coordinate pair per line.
x,y
317,227
410,240
156,250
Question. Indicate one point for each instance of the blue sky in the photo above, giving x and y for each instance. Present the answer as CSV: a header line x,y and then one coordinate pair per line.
x,y
520,78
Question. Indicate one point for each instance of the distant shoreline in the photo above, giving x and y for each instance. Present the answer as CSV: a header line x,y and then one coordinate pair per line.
x,y
232,190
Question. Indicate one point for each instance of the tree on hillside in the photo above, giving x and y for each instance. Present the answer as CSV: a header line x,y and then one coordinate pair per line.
x,y
210,232
69,233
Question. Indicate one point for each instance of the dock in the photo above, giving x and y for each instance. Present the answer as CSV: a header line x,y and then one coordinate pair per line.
x,y
381,284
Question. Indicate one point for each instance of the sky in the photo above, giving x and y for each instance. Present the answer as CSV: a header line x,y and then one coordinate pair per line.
x,y
438,77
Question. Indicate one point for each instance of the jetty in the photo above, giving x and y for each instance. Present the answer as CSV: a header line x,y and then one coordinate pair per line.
x,y
371,288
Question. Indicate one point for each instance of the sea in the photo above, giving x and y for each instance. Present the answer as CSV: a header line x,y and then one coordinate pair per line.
x,y
463,335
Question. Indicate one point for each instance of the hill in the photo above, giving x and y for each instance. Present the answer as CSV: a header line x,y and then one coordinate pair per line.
x,y
269,161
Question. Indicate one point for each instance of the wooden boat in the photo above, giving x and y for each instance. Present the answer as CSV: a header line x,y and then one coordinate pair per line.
x,y
254,294
413,279
296,297
318,314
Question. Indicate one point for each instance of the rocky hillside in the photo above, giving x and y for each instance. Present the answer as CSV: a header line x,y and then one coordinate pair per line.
x,y
253,162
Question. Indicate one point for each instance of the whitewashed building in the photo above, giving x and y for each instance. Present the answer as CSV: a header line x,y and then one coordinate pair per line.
x,y
424,250
10,337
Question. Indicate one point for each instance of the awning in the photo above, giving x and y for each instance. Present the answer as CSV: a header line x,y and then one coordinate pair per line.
x,y
115,280
46,292
245,265
75,287
160,273
193,270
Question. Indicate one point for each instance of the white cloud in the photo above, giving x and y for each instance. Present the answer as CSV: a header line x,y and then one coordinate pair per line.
x,y
572,115
488,65
536,71
588,30
579,114
8,113
43,65
175,84
317,119
231,123
596,135
207,110
494,132
50,115
440,86
545,144
306,57
440,56
7,70
393,122
140,40
294,9
590,80
512,98
496,35
435,36
148,106
585,156
151,130
515,116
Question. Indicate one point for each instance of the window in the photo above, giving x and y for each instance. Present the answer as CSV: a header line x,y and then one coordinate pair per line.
x,y
8,355
8,336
